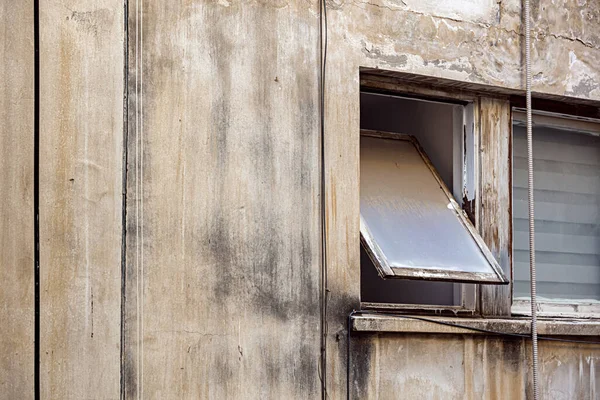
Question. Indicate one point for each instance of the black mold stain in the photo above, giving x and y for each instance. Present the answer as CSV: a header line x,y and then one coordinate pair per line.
x,y
225,373
218,241
510,352
361,348
129,371
264,262
296,366
260,260
263,265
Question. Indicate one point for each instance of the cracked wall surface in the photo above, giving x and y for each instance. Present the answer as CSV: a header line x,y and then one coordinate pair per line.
x,y
477,41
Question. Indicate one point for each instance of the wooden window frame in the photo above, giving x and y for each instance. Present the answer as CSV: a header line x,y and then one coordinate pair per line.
x,y
489,209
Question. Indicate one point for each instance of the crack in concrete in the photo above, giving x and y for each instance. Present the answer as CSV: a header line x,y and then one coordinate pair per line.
x,y
571,39
543,33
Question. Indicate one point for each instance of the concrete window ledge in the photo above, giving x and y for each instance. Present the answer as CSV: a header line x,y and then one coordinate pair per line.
x,y
367,322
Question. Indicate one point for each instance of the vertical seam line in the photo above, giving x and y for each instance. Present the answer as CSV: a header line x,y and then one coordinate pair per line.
x,y
36,195
124,193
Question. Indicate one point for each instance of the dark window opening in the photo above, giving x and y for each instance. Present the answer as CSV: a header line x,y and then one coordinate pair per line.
x,y
441,130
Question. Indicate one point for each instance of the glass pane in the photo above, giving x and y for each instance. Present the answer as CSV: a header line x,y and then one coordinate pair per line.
x,y
567,213
410,224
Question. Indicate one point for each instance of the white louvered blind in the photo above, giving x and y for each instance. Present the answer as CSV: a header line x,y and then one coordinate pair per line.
x,y
567,213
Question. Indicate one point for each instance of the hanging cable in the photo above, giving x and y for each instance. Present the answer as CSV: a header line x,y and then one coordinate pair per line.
x,y
324,288
534,338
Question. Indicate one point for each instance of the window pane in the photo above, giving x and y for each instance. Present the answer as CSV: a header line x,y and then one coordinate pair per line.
x,y
567,213
409,223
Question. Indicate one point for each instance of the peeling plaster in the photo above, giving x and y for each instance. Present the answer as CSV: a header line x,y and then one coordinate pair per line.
x,y
472,49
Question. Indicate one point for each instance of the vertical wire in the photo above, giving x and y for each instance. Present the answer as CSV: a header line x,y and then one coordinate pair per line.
x,y
324,289
322,285
528,77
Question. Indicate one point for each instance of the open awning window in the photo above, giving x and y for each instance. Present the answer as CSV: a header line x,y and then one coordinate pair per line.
x,y
410,224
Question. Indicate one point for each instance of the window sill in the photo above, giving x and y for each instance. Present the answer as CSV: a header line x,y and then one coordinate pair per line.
x,y
583,309
371,322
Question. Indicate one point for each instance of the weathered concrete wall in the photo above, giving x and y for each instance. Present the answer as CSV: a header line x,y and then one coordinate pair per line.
x,y
16,200
222,201
449,367
81,152
221,285
476,41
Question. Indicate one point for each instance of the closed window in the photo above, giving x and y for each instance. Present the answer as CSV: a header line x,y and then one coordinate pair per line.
x,y
566,165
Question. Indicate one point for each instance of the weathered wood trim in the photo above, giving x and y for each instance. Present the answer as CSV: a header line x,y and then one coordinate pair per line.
x,y
550,102
342,156
16,197
81,135
385,84
396,87
475,202
495,198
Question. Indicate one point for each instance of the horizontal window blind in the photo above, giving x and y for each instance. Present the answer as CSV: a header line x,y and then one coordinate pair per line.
x,y
567,214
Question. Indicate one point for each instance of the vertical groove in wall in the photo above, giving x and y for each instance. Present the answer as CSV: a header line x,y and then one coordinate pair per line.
x,y
36,195
124,194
